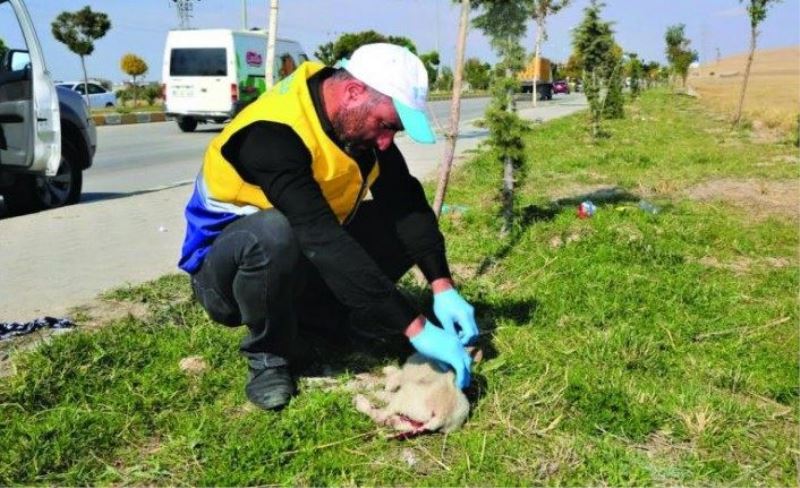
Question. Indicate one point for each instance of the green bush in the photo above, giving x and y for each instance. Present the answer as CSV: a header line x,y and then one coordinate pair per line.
x,y
150,93
124,95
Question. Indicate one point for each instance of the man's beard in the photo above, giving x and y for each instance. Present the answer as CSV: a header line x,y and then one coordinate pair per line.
x,y
347,127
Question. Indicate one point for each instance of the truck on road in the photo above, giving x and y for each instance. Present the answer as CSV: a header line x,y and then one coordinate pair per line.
x,y
541,70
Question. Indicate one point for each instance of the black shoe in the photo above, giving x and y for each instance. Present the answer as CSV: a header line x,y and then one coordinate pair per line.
x,y
270,388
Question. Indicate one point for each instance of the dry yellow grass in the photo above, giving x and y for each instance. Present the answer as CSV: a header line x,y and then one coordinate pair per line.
x,y
773,91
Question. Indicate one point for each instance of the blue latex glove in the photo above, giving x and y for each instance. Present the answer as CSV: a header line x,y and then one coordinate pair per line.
x,y
450,308
441,346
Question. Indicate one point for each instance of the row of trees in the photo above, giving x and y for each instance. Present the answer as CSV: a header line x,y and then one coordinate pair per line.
x,y
596,56
343,47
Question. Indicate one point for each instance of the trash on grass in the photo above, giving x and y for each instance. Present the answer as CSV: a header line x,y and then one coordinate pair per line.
x,y
586,209
648,207
13,329
460,209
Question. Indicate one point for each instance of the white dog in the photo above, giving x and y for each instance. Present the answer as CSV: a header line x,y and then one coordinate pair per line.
x,y
419,397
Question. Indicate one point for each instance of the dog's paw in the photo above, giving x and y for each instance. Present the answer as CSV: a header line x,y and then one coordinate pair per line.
x,y
362,404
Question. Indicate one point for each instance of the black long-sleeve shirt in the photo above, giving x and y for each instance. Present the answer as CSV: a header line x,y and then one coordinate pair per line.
x,y
272,156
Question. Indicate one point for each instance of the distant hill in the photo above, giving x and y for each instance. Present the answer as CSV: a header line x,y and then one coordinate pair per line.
x,y
773,92
780,61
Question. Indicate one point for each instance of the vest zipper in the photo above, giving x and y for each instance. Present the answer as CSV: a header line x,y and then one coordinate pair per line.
x,y
359,197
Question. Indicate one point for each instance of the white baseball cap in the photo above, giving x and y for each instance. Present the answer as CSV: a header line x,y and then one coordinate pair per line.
x,y
398,73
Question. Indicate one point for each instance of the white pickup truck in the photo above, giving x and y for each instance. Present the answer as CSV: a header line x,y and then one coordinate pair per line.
x,y
47,137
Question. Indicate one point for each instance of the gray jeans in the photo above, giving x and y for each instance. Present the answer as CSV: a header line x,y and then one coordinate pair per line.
x,y
256,275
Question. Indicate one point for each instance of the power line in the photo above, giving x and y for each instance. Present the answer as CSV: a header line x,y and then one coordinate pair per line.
x,y
184,12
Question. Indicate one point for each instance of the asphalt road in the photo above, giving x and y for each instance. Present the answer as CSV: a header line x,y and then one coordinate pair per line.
x,y
142,157
55,260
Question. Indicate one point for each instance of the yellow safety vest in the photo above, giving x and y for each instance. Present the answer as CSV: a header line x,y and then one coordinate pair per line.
x,y
290,103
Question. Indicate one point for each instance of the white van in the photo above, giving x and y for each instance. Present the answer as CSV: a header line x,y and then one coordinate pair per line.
x,y
209,75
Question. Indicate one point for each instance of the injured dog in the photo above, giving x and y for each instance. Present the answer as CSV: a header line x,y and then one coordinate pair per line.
x,y
419,397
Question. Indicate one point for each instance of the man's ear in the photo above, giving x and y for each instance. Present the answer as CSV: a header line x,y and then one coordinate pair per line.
x,y
354,91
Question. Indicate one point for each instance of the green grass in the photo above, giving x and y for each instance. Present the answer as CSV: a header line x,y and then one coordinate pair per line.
x,y
615,354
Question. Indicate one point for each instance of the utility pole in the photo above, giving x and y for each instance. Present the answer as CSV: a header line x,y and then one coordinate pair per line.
x,y
244,14
703,49
184,12
438,66
273,27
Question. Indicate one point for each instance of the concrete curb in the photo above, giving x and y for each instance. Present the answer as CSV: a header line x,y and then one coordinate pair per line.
x,y
131,118
145,117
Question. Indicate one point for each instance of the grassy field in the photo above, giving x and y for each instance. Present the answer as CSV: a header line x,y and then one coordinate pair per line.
x,y
772,99
631,348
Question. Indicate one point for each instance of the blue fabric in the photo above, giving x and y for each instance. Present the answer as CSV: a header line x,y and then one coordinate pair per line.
x,y
203,225
415,123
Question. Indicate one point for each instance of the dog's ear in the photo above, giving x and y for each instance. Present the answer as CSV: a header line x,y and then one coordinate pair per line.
x,y
476,353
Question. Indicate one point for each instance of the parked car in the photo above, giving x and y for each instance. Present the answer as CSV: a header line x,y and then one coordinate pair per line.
x,y
98,95
561,86
47,137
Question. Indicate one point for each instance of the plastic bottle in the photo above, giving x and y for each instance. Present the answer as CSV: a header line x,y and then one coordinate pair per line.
x,y
648,207
586,209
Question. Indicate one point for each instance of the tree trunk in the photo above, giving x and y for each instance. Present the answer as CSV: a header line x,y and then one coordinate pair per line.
x,y
753,34
85,83
537,47
508,175
455,111
273,26
594,105
135,93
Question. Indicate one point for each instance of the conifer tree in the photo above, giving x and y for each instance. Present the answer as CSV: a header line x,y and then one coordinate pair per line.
x,y
614,102
503,21
593,43
635,72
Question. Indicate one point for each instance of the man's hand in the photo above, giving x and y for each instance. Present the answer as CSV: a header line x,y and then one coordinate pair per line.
x,y
437,344
451,309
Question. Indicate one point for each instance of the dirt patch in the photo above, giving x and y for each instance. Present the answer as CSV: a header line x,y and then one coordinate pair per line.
x,y
101,312
764,134
742,265
193,365
462,272
663,445
761,198
787,158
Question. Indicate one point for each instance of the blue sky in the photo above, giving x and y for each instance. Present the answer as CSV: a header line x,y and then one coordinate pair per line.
x,y
141,26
